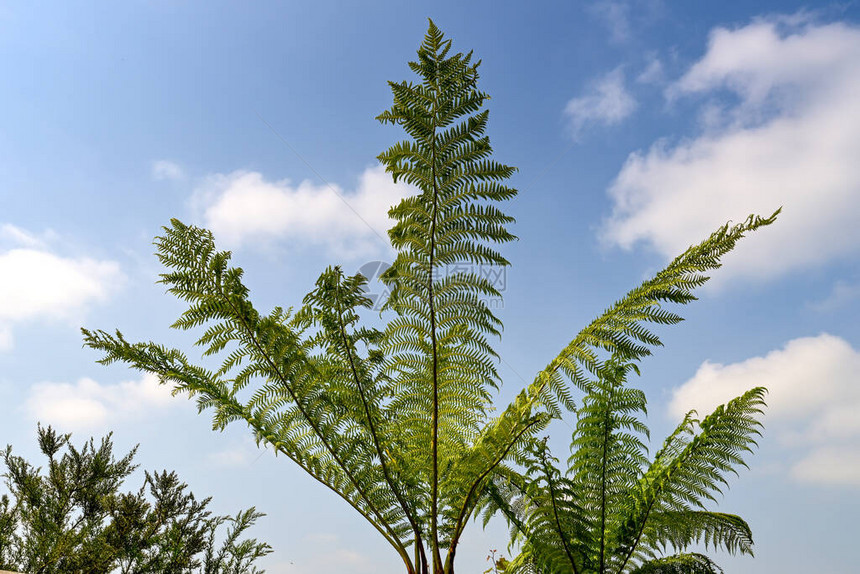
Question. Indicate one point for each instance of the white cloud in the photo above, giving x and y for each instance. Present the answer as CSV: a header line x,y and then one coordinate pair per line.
x,y
235,456
7,341
616,16
10,234
830,466
606,102
782,129
624,18
89,405
38,284
323,554
813,399
653,72
167,170
238,454
807,374
243,207
843,293
41,284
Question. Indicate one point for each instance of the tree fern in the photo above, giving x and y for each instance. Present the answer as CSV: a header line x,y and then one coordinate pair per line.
x,y
395,421
613,512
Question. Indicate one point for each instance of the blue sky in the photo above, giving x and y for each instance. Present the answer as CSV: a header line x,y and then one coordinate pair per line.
x,y
638,127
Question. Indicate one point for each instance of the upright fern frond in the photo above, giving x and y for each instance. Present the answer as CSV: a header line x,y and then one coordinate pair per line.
x,y
437,347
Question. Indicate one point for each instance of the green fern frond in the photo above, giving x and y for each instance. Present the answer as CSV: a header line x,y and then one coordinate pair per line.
x,y
612,510
620,331
680,564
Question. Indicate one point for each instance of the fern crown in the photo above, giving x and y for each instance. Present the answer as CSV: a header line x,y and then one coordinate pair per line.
x,y
395,421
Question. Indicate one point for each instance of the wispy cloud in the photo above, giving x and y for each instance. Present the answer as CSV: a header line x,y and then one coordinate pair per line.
x,y
7,340
605,102
324,553
244,208
624,18
238,453
167,170
813,399
615,14
836,466
39,284
653,73
789,136
11,235
842,294
88,405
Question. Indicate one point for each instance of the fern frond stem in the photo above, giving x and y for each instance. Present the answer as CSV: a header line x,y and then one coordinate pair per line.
x,y
393,540
366,516
420,559
465,511
389,537
558,527
510,515
638,535
374,435
434,477
358,509
654,496
267,433
606,427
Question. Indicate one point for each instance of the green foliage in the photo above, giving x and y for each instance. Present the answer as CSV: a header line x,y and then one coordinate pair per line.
x,y
497,564
612,511
396,421
680,564
73,518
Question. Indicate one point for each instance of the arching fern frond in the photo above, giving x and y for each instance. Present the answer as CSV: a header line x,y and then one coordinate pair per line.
x,y
680,564
437,347
304,406
621,330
